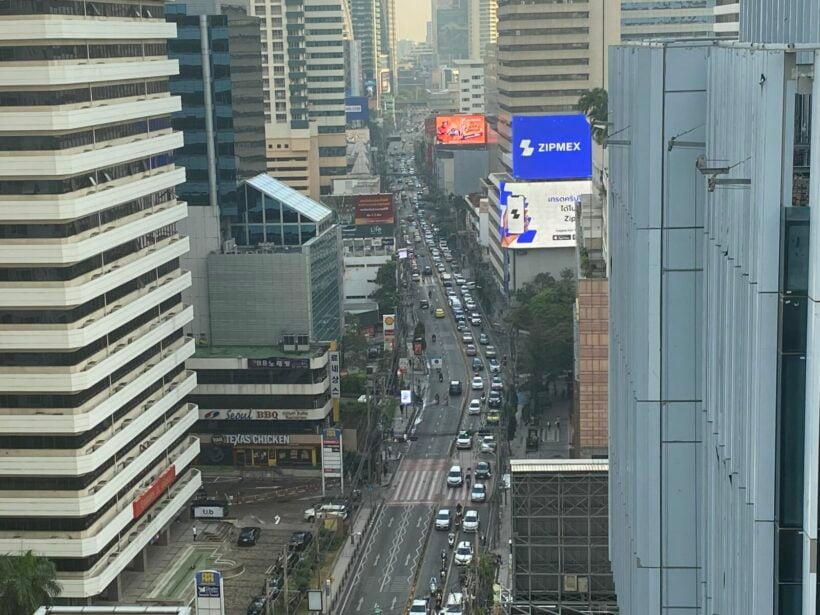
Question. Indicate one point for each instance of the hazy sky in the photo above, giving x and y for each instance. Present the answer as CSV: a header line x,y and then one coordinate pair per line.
x,y
412,17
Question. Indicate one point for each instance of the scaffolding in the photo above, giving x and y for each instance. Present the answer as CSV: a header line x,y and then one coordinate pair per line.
x,y
560,552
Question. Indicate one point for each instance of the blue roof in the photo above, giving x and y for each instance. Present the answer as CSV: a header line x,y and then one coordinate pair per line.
x,y
305,206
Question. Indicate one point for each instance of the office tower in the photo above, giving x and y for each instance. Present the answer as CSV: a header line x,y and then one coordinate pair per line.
x,y
304,88
491,79
450,29
714,420
674,20
365,17
96,457
470,85
354,82
483,26
387,38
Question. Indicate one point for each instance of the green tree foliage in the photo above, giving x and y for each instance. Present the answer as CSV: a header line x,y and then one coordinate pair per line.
x,y
595,104
544,315
387,293
27,582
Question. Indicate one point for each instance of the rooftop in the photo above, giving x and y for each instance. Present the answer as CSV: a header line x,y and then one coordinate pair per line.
x,y
304,206
257,352
521,466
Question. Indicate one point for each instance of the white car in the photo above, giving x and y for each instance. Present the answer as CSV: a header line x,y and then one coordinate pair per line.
x,y
454,477
443,519
419,607
497,384
488,444
495,366
470,523
467,337
464,554
479,493
464,440
474,407
478,383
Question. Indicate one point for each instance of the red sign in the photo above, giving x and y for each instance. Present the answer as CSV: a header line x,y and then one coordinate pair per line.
x,y
461,130
155,489
374,209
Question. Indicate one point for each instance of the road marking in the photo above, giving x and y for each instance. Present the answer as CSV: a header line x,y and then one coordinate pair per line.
x,y
376,561
419,522
359,605
276,520
393,604
407,561
390,523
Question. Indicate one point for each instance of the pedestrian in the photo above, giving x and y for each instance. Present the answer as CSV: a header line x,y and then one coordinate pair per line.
x,y
483,539
194,530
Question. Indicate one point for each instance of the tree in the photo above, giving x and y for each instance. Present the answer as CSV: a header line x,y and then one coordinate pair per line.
x,y
595,104
387,293
27,582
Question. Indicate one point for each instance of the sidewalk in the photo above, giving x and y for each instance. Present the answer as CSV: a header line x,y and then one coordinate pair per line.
x,y
346,560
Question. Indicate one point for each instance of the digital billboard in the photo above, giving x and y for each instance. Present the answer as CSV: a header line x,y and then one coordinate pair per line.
x,y
539,214
551,147
461,130
374,209
356,108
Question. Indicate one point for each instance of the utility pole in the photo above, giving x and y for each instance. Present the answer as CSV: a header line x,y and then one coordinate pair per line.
x,y
285,566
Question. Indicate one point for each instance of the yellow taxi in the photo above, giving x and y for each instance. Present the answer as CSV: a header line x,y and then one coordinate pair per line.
x,y
439,312
493,418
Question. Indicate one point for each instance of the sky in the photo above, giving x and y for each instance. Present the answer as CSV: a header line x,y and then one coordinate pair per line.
x,y
411,19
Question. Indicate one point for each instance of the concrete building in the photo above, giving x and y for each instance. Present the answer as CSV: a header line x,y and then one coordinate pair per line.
x,y
714,397
354,74
560,557
672,19
491,79
460,171
470,85
96,457
387,41
365,17
450,30
483,26
304,89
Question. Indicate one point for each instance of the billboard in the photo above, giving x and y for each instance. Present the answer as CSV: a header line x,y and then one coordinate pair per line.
x,y
356,108
384,81
551,147
539,214
366,231
209,592
374,209
461,130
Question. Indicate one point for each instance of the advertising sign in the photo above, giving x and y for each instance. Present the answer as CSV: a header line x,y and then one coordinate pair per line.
x,y
332,453
203,511
153,492
210,598
384,81
374,209
257,414
461,130
540,214
406,396
356,109
363,231
218,439
279,362
388,324
551,147
335,375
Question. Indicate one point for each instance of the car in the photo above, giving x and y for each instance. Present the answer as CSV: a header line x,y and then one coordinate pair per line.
x,y
455,387
488,444
483,339
440,267
478,365
497,384
451,293
479,493
470,523
464,440
495,366
471,350
427,270
439,312
494,399
300,540
470,305
418,607
464,554
424,304
474,407
416,277
454,477
460,280
460,325
475,320
257,606
448,257
482,470
467,337
443,519
455,604
248,536
490,352
493,418
477,383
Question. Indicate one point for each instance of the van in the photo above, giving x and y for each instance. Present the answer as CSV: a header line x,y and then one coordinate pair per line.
x,y
326,511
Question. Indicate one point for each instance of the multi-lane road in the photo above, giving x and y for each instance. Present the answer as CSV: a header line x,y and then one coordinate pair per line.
x,y
403,550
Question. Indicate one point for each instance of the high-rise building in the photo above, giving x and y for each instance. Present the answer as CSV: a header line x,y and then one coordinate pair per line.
x,y
304,89
672,19
470,86
96,457
365,17
450,29
491,79
483,26
387,40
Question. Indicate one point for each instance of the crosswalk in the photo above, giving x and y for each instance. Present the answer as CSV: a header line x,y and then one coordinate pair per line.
x,y
424,481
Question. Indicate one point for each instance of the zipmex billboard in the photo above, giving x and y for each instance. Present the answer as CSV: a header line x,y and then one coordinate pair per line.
x,y
551,147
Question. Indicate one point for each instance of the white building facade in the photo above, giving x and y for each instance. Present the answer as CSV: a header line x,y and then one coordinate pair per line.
x,y
470,85
93,420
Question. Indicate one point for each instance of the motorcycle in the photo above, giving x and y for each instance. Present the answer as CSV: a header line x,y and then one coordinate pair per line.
x,y
433,586
440,377
437,398
451,540
434,338
443,558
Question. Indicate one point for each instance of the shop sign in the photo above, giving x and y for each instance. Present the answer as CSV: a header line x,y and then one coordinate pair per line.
x,y
209,512
262,415
335,376
155,489
249,438
285,362
332,453
209,594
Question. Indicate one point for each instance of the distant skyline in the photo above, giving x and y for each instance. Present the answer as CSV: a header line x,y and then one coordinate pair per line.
x,y
411,19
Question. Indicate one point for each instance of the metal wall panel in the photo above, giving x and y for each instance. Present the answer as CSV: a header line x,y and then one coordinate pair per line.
x,y
780,21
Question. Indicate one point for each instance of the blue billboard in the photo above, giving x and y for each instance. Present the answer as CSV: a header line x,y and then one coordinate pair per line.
x,y
356,108
547,147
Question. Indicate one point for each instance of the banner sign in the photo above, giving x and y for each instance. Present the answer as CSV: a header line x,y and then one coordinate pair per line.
x,y
219,439
551,147
374,209
335,375
332,453
202,511
285,362
152,493
406,396
256,414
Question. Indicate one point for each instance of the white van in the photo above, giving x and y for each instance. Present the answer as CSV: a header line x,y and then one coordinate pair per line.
x,y
325,511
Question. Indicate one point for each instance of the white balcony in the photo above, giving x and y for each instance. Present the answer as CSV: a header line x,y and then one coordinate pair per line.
x,y
96,324
95,283
56,543
88,158
82,73
83,202
66,27
84,115
78,377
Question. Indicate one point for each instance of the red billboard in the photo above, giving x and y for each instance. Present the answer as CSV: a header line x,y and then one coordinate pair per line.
x,y
461,130
374,209
155,489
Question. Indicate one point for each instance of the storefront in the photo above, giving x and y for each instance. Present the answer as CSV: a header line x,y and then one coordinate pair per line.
x,y
261,450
